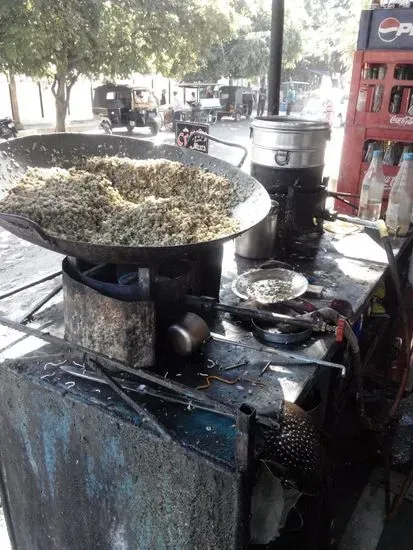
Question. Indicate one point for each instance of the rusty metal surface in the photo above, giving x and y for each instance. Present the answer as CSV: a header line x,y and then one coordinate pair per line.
x,y
80,470
117,329
341,276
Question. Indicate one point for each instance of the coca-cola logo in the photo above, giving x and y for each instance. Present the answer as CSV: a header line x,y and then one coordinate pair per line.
x,y
401,120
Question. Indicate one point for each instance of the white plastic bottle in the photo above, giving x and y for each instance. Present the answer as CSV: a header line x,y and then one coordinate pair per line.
x,y
372,190
399,209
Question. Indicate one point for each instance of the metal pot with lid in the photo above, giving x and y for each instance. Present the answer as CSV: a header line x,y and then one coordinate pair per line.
x,y
286,149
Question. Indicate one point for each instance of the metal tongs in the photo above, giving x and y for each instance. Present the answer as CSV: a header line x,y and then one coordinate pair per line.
x,y
206,304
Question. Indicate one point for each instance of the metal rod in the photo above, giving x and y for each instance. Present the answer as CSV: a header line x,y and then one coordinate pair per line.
x,y
30,285
244,459
245,443
144,390
345,201
336,194
207,303
118,365
141,411
41,99
264,370
365,223
276,50
387,452
28,316
223,142
289,355
232,367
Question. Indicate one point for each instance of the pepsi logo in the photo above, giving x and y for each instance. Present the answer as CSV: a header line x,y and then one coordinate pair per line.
x,y
391,28
388,29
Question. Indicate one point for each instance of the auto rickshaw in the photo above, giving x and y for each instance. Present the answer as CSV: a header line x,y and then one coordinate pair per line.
x,y
203,100
236,101
117,106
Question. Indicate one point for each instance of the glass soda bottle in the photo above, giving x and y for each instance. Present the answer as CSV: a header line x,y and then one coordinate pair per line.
x,y
372,190
389,158
399,209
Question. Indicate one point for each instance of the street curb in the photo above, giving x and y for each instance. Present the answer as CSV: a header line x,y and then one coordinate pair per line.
x,y
51,129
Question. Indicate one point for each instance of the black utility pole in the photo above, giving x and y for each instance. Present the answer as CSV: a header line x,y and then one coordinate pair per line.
x,y
276,52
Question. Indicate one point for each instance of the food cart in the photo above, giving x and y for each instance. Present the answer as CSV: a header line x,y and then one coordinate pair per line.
x,y
184,396
206,106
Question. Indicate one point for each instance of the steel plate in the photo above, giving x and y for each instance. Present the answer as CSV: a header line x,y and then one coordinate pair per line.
x,y
293,285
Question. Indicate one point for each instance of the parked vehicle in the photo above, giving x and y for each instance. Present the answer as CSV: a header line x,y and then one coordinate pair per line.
x,y
328,106
7,128
236,101
125,106
206,103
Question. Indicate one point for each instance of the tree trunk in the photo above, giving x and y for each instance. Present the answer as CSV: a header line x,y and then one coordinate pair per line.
x,y
61,88
13,99
61,100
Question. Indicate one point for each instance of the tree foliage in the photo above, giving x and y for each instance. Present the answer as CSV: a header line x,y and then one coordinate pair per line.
x,y
319,35
201,39
329,31
64,39
243,57
14,36
247,54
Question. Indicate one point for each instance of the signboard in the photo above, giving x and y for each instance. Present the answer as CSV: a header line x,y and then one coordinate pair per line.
x,y
386,29
185,129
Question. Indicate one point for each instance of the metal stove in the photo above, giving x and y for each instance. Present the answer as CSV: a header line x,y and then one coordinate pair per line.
x,y
122,311
109,441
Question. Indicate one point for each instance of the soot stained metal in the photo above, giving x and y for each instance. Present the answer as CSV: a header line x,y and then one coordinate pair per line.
x,y
91,471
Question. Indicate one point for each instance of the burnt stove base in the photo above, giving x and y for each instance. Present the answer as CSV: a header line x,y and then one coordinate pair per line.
x,y
123,330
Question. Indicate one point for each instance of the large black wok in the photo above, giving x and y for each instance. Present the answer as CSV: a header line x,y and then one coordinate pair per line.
x,y
64,150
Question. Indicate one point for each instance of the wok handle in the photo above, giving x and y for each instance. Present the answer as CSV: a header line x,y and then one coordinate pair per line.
x,y
25,223
229,143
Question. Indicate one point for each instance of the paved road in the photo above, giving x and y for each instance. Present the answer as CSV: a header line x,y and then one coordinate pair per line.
x,y
239,132
226,129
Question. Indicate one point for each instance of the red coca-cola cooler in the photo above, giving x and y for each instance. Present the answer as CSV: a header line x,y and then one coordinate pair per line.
x,y
380,111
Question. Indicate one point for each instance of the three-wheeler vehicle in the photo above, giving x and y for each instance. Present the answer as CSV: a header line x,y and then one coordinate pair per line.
x,y
121,106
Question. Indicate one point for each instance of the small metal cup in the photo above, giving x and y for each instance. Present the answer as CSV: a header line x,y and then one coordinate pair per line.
x,y
187,335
